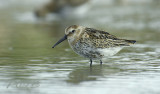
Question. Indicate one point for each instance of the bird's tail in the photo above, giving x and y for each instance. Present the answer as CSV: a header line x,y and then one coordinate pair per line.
x,y
130,41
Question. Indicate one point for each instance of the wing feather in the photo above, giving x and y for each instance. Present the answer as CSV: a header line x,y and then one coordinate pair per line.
x,y
102,39
98,34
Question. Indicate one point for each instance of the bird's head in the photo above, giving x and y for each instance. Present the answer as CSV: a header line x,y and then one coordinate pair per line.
x,y
71,33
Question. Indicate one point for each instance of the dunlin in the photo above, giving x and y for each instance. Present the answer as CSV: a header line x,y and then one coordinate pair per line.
x,y
58,6
92,43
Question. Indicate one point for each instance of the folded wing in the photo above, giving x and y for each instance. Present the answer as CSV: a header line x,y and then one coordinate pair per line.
x,y
102,39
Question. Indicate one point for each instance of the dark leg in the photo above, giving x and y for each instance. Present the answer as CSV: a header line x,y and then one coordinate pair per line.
x,y
101,62
90,62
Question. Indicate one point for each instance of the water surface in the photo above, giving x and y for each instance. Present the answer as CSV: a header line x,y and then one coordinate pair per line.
x,y
28,64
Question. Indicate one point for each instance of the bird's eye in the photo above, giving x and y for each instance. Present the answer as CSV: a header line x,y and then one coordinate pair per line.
x,y
73,31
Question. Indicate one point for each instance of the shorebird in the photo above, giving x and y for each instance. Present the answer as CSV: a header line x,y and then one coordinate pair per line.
x,y
57,6
92,43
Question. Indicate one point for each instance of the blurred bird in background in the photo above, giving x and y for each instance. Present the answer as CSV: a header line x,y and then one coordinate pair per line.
x,y
59,7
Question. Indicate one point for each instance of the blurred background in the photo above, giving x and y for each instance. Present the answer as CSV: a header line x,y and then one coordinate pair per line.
x,y
29,28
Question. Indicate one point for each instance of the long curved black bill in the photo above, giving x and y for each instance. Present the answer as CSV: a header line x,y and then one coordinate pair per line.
x,y
61,40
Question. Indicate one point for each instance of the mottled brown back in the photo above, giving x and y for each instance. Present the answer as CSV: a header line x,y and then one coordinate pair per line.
x,y
102,39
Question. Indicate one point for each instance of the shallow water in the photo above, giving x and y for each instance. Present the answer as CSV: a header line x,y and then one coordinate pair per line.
x,y
28,64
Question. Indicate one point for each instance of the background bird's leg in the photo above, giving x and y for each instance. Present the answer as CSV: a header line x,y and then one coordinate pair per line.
x,y
101,62
90,62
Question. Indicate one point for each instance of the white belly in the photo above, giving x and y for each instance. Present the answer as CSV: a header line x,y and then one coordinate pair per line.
x,y
109,51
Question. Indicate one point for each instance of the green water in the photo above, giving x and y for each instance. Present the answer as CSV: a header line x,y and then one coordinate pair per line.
x,y
28,64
